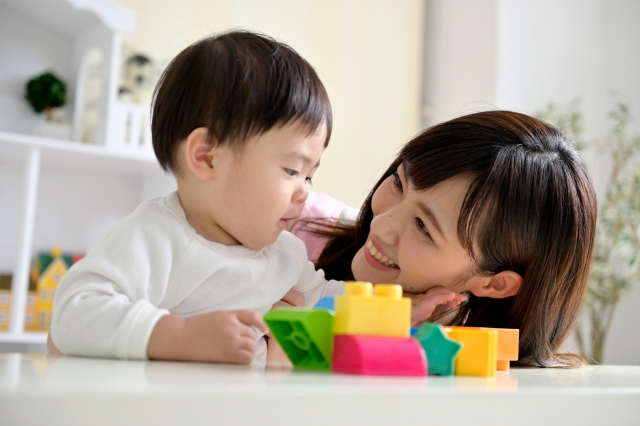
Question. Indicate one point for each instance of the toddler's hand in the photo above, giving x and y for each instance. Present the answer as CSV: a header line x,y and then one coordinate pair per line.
x,y
293,298
223,336
423,305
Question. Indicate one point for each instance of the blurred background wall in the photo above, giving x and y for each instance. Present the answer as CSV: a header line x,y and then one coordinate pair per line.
x,y
393,67
367,53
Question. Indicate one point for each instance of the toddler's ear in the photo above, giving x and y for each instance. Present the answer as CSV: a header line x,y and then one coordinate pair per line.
x,y
499,286
199,153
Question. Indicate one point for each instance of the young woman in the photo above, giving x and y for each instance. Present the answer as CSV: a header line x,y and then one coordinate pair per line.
x,y
497,205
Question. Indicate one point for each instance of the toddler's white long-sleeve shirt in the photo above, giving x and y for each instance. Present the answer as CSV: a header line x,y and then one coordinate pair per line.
x,y
153,263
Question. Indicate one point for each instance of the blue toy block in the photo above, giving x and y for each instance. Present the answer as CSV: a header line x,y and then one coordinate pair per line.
x,y
328,302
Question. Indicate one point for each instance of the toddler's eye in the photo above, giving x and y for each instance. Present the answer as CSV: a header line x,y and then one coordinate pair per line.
x,y
291,172
308,181
397,182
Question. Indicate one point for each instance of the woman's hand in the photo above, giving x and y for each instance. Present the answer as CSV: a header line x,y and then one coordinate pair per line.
x,y
423,305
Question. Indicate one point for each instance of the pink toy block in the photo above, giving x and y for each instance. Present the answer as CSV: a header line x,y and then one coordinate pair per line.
x,y
378,356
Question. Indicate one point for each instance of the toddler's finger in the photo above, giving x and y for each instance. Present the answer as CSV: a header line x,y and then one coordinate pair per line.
x,y
253,318
244,356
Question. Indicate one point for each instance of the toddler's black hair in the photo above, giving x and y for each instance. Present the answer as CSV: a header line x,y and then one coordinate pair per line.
x,y
237,84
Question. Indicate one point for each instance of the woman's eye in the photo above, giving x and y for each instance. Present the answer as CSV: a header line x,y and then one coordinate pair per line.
x,y
423,228
291,172
397,182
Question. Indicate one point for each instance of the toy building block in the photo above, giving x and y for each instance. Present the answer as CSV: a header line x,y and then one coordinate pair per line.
x,y
328,302
305,335
479,353
508,344
441,351
378,356
360,312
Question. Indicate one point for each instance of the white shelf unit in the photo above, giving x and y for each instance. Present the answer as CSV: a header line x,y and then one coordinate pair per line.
x,y
136,176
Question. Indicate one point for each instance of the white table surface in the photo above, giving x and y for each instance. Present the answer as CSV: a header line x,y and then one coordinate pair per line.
x,y
42,390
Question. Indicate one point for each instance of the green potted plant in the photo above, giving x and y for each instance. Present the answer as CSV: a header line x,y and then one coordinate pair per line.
x,y
616,262
47,93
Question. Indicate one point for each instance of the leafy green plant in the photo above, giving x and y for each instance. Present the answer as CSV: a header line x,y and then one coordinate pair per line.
x,y
44,92
616,263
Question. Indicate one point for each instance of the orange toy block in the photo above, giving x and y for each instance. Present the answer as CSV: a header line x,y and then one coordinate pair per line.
x,y
366,311
479,354
508,344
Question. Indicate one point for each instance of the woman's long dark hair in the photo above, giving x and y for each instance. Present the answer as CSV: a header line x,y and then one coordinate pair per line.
x,y
531,208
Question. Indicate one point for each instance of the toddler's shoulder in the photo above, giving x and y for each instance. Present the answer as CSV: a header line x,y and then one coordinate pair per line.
x,y
150,224
291,246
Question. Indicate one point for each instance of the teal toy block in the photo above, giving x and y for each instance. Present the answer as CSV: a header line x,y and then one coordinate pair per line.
x,y
441,351
305,335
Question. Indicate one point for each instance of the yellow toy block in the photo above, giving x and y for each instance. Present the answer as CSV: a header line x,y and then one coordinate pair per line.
x,y
363,311
508,344
479,354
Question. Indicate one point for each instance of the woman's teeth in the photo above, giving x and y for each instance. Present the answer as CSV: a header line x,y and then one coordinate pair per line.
x,y
379,257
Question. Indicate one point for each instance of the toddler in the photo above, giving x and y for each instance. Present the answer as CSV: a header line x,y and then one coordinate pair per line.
x,y
241,121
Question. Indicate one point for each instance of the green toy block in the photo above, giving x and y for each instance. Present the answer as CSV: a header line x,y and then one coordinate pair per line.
x,y
305,335
441,351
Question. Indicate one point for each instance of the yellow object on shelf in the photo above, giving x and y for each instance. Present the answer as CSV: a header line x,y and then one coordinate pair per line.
x,y
5,305
47,272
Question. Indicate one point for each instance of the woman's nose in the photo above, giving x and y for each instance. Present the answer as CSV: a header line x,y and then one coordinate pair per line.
x,y
387,226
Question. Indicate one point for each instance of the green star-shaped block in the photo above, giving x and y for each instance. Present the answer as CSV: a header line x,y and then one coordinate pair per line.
x,y
441,351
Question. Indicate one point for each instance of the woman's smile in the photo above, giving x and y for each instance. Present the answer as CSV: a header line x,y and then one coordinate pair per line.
x,y
377,258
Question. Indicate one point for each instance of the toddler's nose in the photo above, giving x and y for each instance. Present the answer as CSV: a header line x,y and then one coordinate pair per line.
x,y
300,196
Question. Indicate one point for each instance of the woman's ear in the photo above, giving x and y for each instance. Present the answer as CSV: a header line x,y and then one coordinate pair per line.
x,y
200,153
499,286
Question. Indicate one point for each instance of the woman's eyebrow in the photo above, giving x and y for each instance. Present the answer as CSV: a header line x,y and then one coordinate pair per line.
x,y
432,217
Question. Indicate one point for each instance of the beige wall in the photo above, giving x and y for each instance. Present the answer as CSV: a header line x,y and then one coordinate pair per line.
x,y
367,52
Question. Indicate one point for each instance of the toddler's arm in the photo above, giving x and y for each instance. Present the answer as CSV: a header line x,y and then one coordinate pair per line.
x,y
220,336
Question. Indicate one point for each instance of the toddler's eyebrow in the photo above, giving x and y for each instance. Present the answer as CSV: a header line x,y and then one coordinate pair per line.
x,y
299,155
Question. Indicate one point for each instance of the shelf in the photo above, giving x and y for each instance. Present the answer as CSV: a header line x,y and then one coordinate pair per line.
x,y
56,152
38,338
